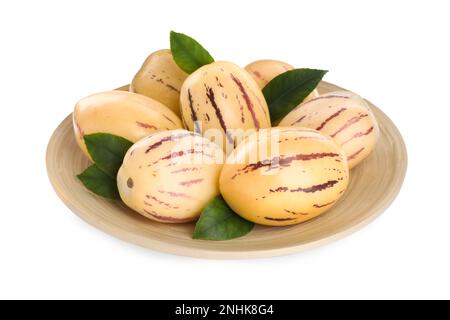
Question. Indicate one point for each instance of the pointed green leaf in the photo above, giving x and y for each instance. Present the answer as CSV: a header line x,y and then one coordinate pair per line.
x,y
289,89
99,182
107,151
219,222
188,53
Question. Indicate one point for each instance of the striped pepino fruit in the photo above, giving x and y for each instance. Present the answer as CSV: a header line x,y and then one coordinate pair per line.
x,y
263,71
129,115
345,117
223,96
302,174
160,78
170,176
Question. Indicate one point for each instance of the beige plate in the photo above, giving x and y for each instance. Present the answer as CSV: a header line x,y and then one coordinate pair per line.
x,y
373,186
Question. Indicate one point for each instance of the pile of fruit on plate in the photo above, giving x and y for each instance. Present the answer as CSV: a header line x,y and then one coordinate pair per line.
x,y
208,141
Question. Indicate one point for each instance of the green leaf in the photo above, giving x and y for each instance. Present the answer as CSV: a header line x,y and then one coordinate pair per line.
x,y
99,182
219,222
188,53
289,89
107,151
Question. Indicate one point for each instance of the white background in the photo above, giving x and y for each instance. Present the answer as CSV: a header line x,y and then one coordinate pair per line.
x,y
395,53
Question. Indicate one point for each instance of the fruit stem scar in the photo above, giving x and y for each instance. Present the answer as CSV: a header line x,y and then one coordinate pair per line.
x,y
130,183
